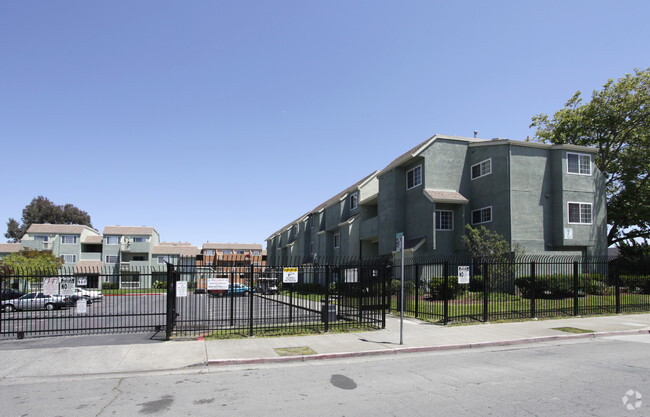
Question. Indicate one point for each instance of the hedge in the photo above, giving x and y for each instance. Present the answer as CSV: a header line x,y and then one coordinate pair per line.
x,y
561,286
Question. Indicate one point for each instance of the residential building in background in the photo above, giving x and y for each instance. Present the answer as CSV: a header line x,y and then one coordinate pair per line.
x,y
8,248
233,258
548,199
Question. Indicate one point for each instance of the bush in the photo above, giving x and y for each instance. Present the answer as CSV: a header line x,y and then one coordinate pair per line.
x,y
160,284
561,286
454,289
396,285
636,283
476,284
110,286
309,288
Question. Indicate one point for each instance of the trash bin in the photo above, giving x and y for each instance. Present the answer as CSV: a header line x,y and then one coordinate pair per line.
x,y
330,313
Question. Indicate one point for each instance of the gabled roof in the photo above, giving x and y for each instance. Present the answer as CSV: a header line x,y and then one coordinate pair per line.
x,y
445,196
232,246
93,239
338,197
129,230
175,250
9,247
73,229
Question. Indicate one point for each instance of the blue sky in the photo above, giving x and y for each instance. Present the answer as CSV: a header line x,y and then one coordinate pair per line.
x,y
223,121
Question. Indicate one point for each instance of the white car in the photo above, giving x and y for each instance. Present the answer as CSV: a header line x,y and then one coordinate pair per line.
x,y
92,295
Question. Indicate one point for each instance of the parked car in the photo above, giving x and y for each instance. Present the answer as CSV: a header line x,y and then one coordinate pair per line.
x,y
10,294
236,289
37,301
89,294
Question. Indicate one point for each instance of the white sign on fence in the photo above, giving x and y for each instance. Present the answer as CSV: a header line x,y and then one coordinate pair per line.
x,y
67,286
219,284
82,281
81,306
181,288
290,275
51,286
463,274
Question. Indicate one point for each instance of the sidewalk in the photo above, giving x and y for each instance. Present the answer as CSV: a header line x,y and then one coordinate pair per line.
x,y
29,359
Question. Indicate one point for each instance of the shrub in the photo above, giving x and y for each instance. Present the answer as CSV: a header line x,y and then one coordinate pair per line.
x,y
309,288
561,286
476,284
160,284
396,285
636,283
454,289
110,286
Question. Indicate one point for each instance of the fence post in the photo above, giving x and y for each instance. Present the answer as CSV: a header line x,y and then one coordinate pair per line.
x,y
445,319
417,291
575,288
326,313
617,278
171,301
232,298
486,287
250,302
532,290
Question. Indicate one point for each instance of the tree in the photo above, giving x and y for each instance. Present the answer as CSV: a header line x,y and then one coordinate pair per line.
x,y
483,243
29,265
42,210
617,122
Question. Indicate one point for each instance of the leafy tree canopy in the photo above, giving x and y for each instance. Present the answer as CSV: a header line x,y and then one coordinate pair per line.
x,y
31,261
617,122
42,210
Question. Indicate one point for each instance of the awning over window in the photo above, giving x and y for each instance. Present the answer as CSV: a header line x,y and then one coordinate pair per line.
x,y
445,196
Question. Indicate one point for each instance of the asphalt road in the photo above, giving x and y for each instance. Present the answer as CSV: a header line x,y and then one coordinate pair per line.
x,y
594,377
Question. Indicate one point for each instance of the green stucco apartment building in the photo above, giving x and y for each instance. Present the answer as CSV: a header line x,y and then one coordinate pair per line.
x,y
549,199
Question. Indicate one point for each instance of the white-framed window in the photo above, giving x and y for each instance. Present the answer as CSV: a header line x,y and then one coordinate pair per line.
x,y
482,215
580,213
209,252
337,240
354,201
414,177
257,252
69,239
163,258
241,252
110,259
444,220
69,258
482,169
578,163
112,240
139,238
43,238
226,252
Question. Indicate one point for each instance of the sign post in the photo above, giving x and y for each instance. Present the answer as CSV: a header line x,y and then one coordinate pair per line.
x,y
399,248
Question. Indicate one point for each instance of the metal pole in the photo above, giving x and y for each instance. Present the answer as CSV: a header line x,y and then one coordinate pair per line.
x,y
401,312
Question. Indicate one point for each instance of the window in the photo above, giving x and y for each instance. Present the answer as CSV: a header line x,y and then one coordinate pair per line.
x,y
482,168
69,239
414,177
354,201
139,239
337,240
240,252
311,248
580,213
257,252
209,252
444,220
111,259
43,238
578,163
112,240
162,259
226,252
69,259
482,215
138,258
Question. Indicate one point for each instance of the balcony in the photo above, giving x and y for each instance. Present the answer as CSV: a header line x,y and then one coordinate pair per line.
x,y
38,245
138,247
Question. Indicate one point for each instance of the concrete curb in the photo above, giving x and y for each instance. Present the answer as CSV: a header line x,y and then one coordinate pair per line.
x,y
419,349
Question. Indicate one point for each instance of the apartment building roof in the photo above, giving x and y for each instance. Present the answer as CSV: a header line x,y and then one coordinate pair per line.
x,y
129,230
175,250
232,246
338,197
59,228
88,266
93,239
9,247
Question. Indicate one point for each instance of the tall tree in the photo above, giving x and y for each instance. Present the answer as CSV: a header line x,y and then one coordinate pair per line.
x,y
617,122
42,210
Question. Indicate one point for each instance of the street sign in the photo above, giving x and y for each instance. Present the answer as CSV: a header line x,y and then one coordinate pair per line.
x,y
463,274
82,281
399,242
290,275
67,286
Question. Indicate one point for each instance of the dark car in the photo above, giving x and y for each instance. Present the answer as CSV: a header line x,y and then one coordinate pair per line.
x,y
10,294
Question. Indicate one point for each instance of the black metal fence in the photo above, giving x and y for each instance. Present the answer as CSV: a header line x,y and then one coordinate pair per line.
x,y
525,287
186,300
